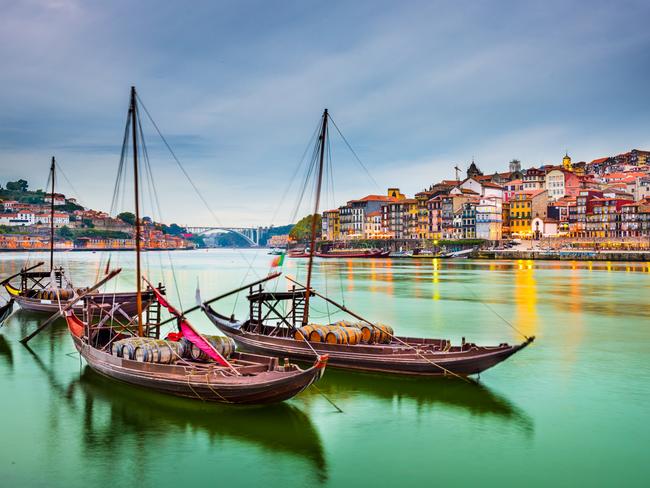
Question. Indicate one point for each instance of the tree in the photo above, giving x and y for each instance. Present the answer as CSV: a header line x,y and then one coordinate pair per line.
x,y
65,233
302,230
20,185
174,229
88,223
127,217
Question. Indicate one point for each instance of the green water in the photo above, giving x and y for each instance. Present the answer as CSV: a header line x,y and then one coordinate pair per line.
x,y
571,409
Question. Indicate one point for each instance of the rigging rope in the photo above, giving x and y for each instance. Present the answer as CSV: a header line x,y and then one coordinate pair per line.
x,y
353,152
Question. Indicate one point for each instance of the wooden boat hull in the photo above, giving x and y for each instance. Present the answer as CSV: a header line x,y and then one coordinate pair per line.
x,y
394,358
38,305
177,380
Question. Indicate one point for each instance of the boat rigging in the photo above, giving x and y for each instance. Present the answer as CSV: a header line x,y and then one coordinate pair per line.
x,y
130,347
361,345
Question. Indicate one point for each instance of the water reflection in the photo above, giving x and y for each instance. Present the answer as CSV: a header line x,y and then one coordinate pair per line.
x,y
115,416
526,299
472,397
138,413
5,352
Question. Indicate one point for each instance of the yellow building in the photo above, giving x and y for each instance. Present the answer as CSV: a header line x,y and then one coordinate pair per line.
x,y
411,220
331,225
524,207
520,214
566,162
423,214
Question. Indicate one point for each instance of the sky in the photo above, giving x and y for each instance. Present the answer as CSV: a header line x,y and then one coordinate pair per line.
x,y
237,88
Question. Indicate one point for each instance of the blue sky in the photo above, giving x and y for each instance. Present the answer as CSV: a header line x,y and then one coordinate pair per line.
x,y
238,87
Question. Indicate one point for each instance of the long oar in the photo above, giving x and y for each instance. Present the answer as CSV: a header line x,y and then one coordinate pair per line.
x,y
359,317
207,302
70,304
7,280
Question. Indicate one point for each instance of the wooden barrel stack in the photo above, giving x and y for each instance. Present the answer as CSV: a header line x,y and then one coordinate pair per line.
x,y
377,334
54,294
224,345
344,332
150,350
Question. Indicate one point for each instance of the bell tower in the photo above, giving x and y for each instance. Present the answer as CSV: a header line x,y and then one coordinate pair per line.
x,y
566,162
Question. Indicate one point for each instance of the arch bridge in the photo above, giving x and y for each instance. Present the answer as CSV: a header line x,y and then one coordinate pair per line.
x,y
250,234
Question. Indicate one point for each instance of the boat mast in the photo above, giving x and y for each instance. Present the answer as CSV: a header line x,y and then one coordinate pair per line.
x,y
138,272
322,139
52,217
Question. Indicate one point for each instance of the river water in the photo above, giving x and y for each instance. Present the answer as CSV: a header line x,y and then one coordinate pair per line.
x,y
572,408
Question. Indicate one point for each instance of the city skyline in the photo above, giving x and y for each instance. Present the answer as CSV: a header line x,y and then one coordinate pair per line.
x,y
416,90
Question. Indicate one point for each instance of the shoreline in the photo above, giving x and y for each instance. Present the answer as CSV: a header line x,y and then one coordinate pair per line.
x,y
98,249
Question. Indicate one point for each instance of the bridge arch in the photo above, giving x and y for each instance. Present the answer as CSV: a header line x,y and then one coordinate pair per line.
x,y
252,239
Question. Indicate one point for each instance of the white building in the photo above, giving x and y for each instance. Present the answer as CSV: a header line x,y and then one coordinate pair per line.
x,y
17,219
484,189
555,184
59,199
489,218
60,219
373,228
545,227
8,205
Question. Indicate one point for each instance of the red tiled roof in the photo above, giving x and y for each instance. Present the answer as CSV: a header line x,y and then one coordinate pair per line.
x,y
369,198
513,182
489,184
599,160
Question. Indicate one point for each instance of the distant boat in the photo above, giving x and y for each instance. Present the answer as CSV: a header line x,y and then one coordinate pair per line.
x,y
47,290
457,254
400,254
341,253
276,251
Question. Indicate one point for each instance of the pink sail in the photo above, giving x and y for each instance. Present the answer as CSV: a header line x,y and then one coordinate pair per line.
x,y
190,333
199,341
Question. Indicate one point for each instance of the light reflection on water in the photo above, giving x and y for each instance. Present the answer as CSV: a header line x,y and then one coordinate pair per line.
x,y
590,359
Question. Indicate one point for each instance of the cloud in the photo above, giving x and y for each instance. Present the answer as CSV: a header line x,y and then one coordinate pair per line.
x,y
416,87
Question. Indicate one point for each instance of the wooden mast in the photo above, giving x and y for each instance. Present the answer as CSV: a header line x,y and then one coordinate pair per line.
x,y
138,271
52,217
312,243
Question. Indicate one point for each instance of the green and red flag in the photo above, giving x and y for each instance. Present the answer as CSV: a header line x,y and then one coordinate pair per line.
x,y
277,261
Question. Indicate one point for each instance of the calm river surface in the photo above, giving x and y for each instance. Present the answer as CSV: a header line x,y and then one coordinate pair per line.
x,y
571,409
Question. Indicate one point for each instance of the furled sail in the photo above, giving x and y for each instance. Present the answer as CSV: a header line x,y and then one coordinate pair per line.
x,y
190,333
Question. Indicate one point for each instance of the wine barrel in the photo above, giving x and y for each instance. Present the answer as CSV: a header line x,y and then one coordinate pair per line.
x,y
336,336
385,333
116,348
65,294
126,348
306,331
224,345
158,351
343,323
343,335
318,334
369,334
354,335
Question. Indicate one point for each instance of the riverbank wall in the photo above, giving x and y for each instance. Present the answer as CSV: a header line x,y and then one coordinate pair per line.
x,y
564,255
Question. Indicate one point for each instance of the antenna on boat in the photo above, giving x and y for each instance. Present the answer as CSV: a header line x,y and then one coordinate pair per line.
x,y
138,272
319,183
52,170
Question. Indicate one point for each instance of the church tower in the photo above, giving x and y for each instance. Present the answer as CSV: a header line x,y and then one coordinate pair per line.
x,y
473,170
566,162
515,166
